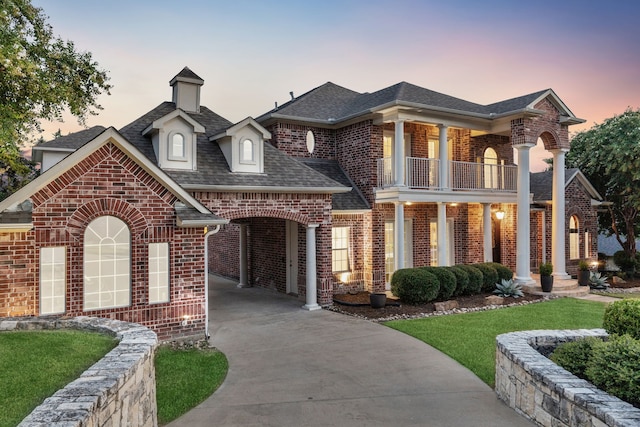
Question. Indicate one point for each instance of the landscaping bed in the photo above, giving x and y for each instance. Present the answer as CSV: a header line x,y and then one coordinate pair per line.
x,y
358,305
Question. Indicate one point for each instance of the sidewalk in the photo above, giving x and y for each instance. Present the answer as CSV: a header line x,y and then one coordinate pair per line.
x,y
291,367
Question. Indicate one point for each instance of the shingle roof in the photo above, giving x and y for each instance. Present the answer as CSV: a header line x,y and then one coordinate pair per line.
x,y
353,200
541,184
74,140
15,217
332,103
280,170
187,73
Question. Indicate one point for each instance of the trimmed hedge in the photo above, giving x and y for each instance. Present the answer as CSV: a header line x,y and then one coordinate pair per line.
x,y
623,317
447,281
415,285
504,272
475,279
490,277
462,280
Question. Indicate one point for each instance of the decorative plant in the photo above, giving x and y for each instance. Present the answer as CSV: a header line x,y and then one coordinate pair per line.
x,y
546,269
507,288
598,281
583,265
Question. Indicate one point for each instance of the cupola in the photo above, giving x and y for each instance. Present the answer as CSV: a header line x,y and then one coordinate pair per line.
x,y
186,90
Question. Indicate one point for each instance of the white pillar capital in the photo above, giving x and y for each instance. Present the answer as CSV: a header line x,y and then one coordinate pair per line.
x,y
312,291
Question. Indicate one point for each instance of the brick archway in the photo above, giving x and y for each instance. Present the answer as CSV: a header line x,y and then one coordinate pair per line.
x,y
86,213
267,213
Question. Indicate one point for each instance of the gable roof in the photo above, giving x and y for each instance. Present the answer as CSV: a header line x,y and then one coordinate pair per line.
x,y
541,184
330,103
12,203
67,143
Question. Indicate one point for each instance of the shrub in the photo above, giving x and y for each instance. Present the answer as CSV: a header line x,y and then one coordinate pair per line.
x,y
414,285
546,269
447,281
623,261
462,280
504,272
475,279
613,367
623,317
489,277
574,356
583,265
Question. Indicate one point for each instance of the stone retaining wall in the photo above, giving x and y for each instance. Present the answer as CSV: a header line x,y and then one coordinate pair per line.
x,y
119,390
546,393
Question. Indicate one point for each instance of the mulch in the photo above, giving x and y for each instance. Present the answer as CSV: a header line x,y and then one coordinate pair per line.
x,y
358,304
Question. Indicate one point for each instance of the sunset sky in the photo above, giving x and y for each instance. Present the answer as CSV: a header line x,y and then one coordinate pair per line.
x,y
253,53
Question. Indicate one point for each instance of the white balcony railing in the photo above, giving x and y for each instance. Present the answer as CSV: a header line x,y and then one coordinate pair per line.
x,y
423,173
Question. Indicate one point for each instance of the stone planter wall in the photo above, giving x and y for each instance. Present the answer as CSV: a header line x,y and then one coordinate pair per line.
x,y
549,395
119,390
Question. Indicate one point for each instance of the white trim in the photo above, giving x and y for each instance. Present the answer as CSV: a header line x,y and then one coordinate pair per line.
x,y
235,128
159,123
15,228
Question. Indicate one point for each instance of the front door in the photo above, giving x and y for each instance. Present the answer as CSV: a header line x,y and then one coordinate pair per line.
x,y
292,257
495,241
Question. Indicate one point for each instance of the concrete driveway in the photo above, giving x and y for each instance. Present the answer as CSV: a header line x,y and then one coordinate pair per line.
x,y
290,367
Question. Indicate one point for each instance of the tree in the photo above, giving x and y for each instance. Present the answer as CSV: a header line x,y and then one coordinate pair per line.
x,y
609,156
41,76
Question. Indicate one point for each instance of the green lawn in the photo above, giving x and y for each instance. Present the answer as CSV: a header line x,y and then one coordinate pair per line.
x,y
632,295
34,365
470,338
184,378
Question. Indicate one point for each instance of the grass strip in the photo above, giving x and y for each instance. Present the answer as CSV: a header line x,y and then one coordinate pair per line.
x,y
35,364
185,378
469,338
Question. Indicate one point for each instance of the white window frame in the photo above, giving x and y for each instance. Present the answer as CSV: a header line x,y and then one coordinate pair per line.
x,y
171,155
159,276
449,237
244,159
574,237
389,245
490,166
53,280
340,239
107,264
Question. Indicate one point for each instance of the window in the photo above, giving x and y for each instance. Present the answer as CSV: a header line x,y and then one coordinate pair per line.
x,y
340,249
107,264
177,147
587,244
311,142
574,238
246,151
433,242
158,272
53,269
389,245
490,168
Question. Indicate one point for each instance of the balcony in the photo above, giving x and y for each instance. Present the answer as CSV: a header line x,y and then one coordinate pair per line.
x,y
424,174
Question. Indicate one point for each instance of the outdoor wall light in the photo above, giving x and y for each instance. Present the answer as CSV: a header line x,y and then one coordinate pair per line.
x,y
499,215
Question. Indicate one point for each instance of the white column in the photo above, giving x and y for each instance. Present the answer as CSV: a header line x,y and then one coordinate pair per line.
x,y
398,243
486,232
443,155
523,236
558,225
442,234
312,291
398,153
243,283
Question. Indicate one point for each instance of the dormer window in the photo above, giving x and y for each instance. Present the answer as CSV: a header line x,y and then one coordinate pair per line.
x,y
247,151
177,147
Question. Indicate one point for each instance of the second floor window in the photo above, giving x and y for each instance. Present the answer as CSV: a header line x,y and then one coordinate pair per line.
x,y
247,151
177,147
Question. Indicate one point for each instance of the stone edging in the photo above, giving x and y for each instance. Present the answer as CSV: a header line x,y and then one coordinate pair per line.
x,y
549,395
119,389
